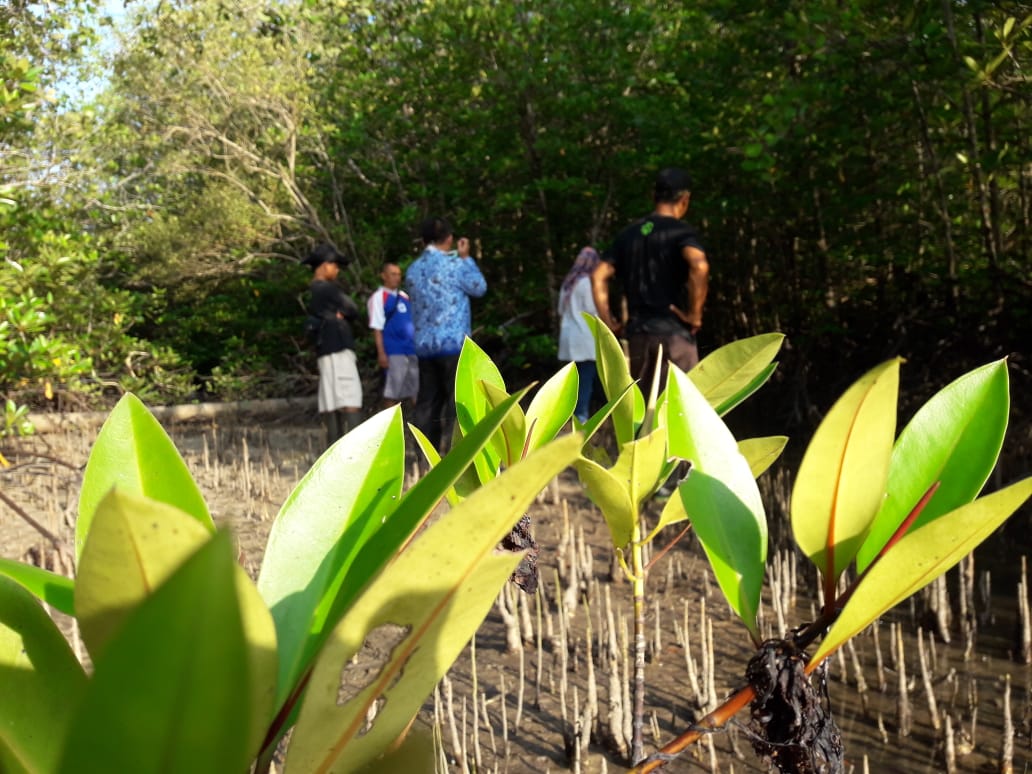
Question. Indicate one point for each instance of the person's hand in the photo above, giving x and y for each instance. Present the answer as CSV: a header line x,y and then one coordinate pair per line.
x,y
382,360
463,247
613,325
693,321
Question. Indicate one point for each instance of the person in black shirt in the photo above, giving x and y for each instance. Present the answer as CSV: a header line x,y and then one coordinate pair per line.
x,y
662,268
340,388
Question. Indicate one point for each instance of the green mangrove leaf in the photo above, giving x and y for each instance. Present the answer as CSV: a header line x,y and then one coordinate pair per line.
x,y
720,496
42,683
324,524
416,752
512,435
955,439
761,453
171,691
552,406
424,609
262,657
616,380
135,453
488,462
56,590
134,544
596,420
841,481
734,539
698,435
672,513
613,498
432,457
474,367
921,556
415,509
758,381
639,465
735,371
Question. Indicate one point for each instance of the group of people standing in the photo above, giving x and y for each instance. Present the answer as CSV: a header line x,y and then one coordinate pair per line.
x,y
658,262
418,333
663,272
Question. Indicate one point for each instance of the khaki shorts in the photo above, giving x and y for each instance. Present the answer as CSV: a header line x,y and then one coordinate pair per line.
x,y
339,383
402,380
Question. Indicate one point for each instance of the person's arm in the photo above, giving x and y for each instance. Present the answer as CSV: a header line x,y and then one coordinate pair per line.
x,y
471,280
600,294
698,286
377,322
381,353
348,309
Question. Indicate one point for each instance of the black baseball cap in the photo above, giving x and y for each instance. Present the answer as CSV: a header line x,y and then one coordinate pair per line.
x,y
325,253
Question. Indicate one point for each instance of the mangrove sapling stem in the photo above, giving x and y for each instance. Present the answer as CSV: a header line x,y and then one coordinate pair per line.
x,y
950,751
591,702
487,722
926,680
861,683
540,651
462,734
505,713
519,691
903,720
719,717
625,650
879,661
1007,753
278,727
475,722
637,578
715,720
1024,650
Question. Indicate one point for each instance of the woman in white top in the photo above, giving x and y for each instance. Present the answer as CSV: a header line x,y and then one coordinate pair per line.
x,y
575,340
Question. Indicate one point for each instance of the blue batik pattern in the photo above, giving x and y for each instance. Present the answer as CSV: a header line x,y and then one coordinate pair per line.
x,y
440,285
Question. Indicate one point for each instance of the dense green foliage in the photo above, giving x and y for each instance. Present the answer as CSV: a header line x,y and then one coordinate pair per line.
x,y
862,177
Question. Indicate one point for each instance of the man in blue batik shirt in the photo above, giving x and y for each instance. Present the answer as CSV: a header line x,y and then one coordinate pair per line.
x,y
440,284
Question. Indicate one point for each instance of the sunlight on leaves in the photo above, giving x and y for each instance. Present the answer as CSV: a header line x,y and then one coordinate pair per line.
x,y
56,590
183,651
920,557
954,439
322,527
761,453
552,406
735,371
720,496
42,683
437,602
841,481
615,377
134,452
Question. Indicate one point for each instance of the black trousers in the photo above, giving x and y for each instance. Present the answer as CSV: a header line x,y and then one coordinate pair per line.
x,y
435,404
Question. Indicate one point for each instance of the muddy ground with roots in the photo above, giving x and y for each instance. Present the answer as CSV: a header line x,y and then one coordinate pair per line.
x,y
543,692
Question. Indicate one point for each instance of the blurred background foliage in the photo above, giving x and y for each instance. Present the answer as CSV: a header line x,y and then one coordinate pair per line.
x,y
863,179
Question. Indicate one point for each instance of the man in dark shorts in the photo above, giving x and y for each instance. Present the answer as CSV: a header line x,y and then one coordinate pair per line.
x,y
662,268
